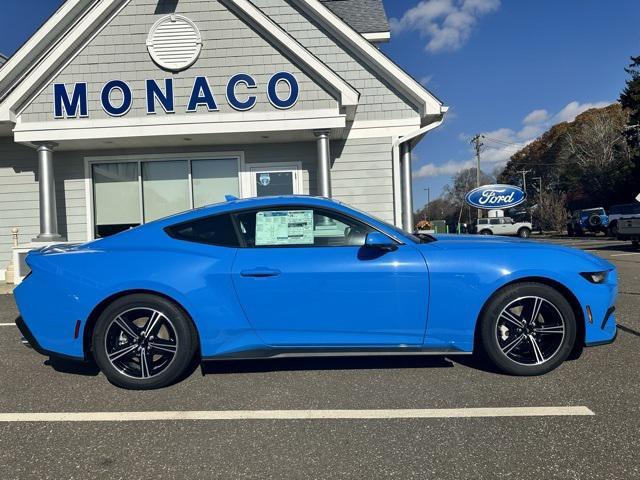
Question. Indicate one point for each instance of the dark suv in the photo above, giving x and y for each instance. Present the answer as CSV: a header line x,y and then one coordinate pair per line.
x,y
590,220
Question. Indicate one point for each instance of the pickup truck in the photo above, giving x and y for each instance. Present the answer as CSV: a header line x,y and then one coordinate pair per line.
x,y
629,229
503,226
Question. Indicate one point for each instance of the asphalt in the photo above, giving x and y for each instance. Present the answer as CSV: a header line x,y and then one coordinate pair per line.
x,y
605,379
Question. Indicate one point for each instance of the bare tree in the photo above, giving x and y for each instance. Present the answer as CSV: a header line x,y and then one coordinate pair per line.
x,y
551,211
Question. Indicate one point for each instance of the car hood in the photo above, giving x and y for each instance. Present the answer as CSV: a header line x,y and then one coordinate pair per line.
x,y
517,245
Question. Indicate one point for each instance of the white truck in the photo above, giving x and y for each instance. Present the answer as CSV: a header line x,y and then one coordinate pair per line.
x,y
503,226
629,229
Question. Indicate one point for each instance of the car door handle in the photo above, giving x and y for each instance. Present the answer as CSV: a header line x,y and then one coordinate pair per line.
x,y
260,272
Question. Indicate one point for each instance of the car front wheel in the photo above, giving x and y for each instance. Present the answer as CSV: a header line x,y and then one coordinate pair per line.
x,y
528,329
143,342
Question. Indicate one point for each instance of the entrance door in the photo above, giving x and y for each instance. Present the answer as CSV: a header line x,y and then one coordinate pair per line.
x,y
270,179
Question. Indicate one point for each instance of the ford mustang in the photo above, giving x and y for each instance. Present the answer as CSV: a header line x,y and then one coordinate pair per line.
x,y
304,276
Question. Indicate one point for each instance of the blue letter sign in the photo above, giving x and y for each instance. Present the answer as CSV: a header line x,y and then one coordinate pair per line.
x,y
154,92
272,90
232,99
65,108
105,97
492,197
201,95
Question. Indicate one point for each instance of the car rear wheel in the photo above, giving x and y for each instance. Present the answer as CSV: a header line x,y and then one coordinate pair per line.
x,y
143,342
486,232
528,329
524,232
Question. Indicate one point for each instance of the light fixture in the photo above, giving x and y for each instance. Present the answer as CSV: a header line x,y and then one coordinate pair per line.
x,y
595,277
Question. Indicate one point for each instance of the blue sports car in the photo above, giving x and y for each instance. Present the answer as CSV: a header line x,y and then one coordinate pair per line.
x,y
304,276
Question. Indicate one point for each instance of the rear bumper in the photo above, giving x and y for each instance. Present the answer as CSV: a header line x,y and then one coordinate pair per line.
x,y
30,341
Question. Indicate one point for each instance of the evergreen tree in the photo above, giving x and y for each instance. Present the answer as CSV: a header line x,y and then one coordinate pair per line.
x,y
630,101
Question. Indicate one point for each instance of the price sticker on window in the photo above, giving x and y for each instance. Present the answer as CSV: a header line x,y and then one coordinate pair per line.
x,y
284,227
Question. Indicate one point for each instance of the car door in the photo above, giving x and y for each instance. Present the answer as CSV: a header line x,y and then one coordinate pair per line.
x,y
304,278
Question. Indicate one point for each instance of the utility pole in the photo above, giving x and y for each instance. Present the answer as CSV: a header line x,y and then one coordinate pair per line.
x,y
524,179
428,202
477,142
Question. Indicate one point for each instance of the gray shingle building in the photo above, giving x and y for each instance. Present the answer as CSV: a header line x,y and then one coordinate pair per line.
x,y
119,112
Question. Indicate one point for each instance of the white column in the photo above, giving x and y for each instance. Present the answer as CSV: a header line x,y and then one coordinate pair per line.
x,y
406,186
324,163
47,184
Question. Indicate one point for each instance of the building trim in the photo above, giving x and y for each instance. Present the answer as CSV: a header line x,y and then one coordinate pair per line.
x,y
160,157
377,37
428,104
349,96
181,125
81,33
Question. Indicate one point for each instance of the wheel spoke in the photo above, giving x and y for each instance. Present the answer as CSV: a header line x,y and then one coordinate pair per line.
x,y
126,327
513,344
152,323
537,303
122,352
536,350
553,329
510,317
163,346
145,364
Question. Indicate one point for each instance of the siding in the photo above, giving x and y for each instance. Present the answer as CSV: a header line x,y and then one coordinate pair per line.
x,y
362,175
229,47
378,100
19,203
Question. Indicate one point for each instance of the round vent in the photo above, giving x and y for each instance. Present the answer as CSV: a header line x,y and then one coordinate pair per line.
x,y
174,42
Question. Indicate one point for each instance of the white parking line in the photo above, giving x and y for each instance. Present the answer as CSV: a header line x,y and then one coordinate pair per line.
x,y
625,254
7,324
295,414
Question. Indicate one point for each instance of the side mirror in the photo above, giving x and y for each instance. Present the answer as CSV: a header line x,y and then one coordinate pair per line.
x,y
380,241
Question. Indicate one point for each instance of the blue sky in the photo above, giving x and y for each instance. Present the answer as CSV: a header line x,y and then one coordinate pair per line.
x,y
507,68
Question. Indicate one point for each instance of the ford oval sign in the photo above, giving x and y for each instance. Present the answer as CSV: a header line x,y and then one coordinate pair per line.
x,y
495,197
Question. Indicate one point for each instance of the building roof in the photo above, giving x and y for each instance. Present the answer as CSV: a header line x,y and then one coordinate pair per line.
x,y
364,16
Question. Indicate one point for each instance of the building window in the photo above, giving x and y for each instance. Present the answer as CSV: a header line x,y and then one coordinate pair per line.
x,y
116,197
165,188
129,193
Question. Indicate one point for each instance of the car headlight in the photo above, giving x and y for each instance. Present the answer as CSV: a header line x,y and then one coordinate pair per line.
x,y
595,277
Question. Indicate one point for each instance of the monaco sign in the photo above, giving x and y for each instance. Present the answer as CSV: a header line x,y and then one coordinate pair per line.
x,y
492,197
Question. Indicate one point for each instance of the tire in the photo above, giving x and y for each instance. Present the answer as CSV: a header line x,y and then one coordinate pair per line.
x,y
570,231
513,351
595,221
613,229
635,244
486,232
153,332
524,232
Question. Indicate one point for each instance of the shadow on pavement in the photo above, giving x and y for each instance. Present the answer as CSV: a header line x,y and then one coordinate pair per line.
x,y
323,363
62,365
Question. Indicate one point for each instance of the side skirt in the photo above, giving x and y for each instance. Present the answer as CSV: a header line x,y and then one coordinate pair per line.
x,y
268,353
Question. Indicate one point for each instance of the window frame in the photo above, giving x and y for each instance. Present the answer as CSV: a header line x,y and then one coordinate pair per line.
x,y
241,241
169,230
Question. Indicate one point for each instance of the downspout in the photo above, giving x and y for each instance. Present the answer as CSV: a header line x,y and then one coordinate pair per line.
x,y
406,144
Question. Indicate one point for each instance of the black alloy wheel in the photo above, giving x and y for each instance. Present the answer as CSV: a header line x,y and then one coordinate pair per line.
x,y
142,342
528,329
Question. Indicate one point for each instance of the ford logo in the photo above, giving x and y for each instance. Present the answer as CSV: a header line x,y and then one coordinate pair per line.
x,y
492,197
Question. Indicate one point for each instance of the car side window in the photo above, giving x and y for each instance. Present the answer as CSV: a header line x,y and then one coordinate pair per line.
x,y
299,227
494,221
216,230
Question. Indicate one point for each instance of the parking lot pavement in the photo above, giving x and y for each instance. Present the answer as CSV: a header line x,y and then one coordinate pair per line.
x,y
605,380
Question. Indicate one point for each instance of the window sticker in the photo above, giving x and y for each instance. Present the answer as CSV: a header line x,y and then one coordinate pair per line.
x,y
292,227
